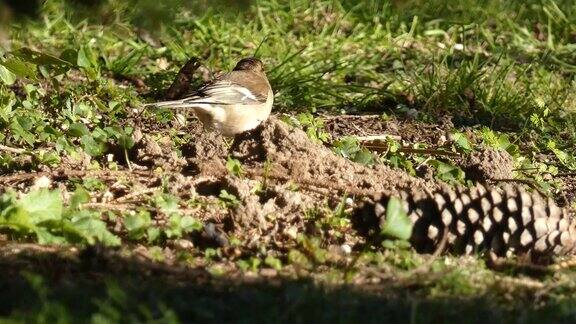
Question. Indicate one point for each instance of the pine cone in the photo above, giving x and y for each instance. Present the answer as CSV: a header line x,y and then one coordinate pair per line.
x,y
506,221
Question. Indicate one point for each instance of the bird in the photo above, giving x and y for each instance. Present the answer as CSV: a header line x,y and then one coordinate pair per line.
x,y
233,103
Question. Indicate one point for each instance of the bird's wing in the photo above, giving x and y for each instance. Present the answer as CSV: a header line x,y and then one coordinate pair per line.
x,y
229,89
226,92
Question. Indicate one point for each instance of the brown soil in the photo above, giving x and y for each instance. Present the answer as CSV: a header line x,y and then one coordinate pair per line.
x,y
286,178
410,130
299,176
295,176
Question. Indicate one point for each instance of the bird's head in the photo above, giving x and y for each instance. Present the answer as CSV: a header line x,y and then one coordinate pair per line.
x,y
250,64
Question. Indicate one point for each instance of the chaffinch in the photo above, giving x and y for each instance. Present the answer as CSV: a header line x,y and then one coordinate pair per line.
x,y
234,102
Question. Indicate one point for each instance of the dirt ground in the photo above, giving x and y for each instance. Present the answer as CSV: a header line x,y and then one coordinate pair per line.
x,y
294,174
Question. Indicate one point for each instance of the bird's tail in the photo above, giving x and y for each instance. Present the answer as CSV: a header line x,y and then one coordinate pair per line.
x,y
182,103
171,104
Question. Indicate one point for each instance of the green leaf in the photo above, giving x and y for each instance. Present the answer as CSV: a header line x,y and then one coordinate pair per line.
x,y
461,141
94,229
20,68
125,63
70,56
228,199
298,258
189,224
364,157
42,205
447,172
174,226
397,224
126,142
88,62
273,262
78,130
45,237
80,196
168,204
58,65
17,218
347,147
85,57
137,224
234,167
6,76
153,234
21,133
91,146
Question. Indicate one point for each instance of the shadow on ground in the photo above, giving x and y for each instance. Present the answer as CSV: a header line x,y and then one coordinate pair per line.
x,y
103,284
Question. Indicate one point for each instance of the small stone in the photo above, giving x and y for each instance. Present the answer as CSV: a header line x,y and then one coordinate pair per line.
x,y
346,249
41,183
107,196
291,232
182,244
268,272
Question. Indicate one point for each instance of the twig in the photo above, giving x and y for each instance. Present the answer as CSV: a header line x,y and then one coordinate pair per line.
x,y
131,206
12,149
59,173
375,138
15,248
134,194
423,163
109,206
381,148
427,151
329,117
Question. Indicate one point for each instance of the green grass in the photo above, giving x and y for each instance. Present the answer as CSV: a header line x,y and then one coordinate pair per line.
x,y
505,70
